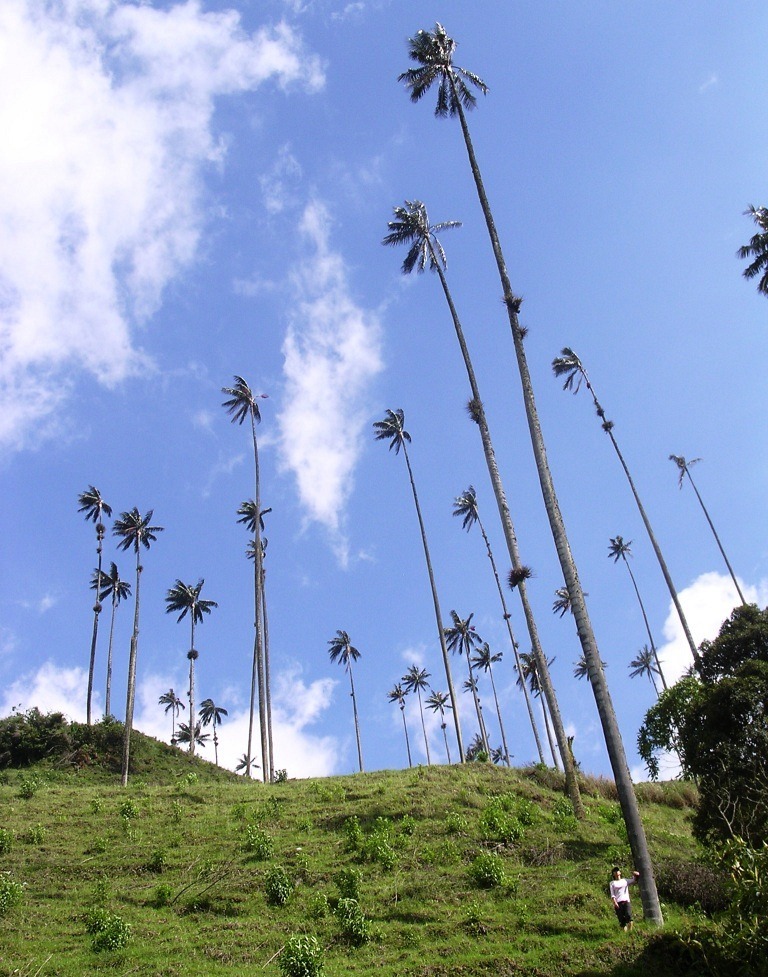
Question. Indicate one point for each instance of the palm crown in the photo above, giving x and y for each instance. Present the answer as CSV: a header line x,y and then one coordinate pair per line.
x,y
185,598
340,649
433,52
462,637
92,504
392,429
411,226
242,401
465,506
112,586
757,249
135,530
619,549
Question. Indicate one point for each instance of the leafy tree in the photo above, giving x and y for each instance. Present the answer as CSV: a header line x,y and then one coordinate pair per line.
x,y
415,680
172,704
243,765
397,694
466,507
644,663
211,714
192,737
684,470
93,507
440,702
483,658
462,639
392,429
186,599
569,365
757,249
717,719
618,549
241,404
134,531
117,590
341,650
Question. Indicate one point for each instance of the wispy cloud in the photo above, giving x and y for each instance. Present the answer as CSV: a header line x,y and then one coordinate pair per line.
x,y
332,351
278,185
712,82
106,120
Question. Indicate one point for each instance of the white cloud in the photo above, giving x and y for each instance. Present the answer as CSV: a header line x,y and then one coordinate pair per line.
x,y
51,689
332,351
277,185
106,110
712,82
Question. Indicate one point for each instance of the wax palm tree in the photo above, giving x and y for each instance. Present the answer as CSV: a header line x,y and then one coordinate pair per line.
x,y
684,470
562,602
241,405
117,590
244,765
192,737
397,694
172,704
433,54
484,659
619,549
415,680
134,532
211,714
470,685
340,649
581,670
757,249
569,365
466,507
462,639
392,429
186,599
94,508
247,513
531,676
645,664
412,227
440,702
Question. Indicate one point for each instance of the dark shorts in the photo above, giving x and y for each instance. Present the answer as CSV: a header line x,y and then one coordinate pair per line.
x,y
624,913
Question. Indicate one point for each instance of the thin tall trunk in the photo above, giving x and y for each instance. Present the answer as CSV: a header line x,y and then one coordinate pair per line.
x,y
423,725
96,612
192,655
436,603
614,743
478,415
215,745
257,670
407,740
647,625
478,710
548,729
354,712
108,696
131,691
498,713
267,681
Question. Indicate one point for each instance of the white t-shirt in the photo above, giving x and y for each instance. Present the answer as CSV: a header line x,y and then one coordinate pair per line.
x,y
618,889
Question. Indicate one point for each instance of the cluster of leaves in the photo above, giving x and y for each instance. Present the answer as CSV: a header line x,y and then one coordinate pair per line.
x,y
692,884
109,931
302,956
258,843
487,870
277,886
355,926
11,892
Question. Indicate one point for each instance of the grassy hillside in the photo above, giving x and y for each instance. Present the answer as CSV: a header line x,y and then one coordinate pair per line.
x,y
432,871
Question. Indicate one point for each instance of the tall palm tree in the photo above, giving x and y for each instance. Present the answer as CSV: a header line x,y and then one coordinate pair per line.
x,y
440,702
192,737
117,590
244,765
684,469
757,249
433,54
172,704
211,714
186,599
241,404
134,532
569,365
483,658
644,664
581,670
411,227
462,639
397,694
340,649
618,549
247,513
94,507
530,675
466,507
392,429
470,685
414,680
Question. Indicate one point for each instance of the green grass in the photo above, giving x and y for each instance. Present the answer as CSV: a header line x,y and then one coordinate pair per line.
x,y
175,868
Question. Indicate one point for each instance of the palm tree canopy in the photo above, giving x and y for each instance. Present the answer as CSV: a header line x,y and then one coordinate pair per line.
x,y
644,663
465,506
562,601
415,679
185,598
242,401
392,429
170,700
580,669
92,504
184,734
438,702
211,713
683,466
397,694
340,649
462,637
112,586
433,52
483,658
757,249
411,226
569,365
135,530
619,549
247,513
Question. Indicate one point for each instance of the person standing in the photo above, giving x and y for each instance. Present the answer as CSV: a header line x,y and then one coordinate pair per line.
x,y
619,890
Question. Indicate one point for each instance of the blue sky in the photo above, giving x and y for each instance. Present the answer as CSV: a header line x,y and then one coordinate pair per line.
x,y
197,190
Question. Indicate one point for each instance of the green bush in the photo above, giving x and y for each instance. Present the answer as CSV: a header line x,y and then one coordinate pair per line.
x,y
348,882
353,833
277,886
693,883
258,842
354,925
109,931
301,957
497,824
28,787
158,861
6,840
487,870
162,896
11,892
456,824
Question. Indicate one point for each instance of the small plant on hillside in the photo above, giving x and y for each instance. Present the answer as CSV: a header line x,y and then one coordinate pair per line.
x,y
158,861
281,776
302,956
277,886
563,816
100,890
498,824
353,834
97,805
162,896
36,835
456,824
319,907
258,843
109,931
487,870
11,893
6,840
355,927
348,882
177,812
474,919
129,810
28,787
407,824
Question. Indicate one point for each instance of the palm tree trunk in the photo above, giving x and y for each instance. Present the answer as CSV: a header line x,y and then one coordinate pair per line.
x,y
647,625
257,671
96,612
267,680
436,603
215,745
108,696
131,691
614,744
717,538
498,713
445,737
192,688
423,726
407,741
354,712
548,729
480,720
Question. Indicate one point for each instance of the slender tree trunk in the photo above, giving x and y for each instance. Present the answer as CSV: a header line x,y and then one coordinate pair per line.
x,y
131,691
192,688
354,712
717,538
647,625
423,725
480,720
267,680
407,741
96,612
614,743
257,671
498,713
436,603
108,697
215,745
548,729
445,737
